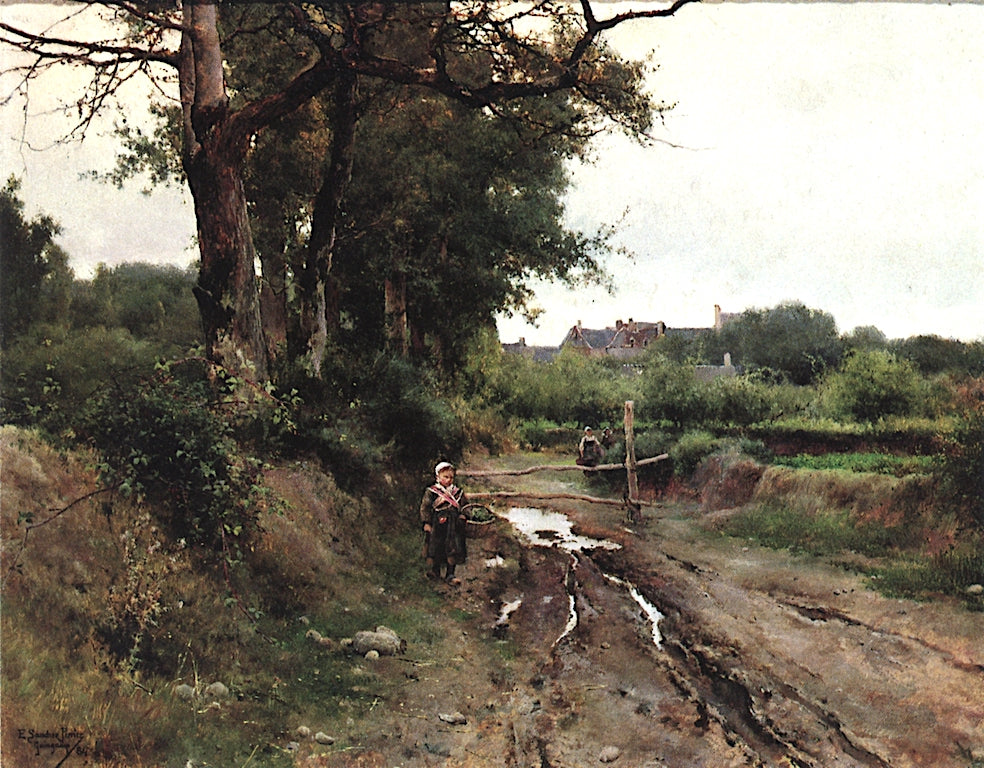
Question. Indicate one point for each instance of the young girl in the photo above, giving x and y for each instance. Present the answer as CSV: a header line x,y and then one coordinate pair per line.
x,y
443,521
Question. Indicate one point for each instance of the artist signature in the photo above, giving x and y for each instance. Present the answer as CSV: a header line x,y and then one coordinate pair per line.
x,y
63,742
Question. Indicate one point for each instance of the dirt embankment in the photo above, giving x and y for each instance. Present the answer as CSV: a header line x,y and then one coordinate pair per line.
x,y
764,659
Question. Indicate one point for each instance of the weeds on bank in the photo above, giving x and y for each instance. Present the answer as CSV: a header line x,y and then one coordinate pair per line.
x,y
878,463
901,567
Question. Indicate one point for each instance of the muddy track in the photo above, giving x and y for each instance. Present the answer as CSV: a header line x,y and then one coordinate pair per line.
x,y
784,660
760,658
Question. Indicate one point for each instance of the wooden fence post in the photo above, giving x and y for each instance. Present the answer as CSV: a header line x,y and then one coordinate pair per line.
x,y
630,456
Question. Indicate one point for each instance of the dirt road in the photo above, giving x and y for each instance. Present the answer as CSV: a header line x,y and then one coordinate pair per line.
x,y
760,658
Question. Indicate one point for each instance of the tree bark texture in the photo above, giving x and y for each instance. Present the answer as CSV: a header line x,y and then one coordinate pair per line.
x,y
317,296
215,147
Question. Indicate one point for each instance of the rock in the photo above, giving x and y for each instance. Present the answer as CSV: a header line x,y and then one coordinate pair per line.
x,y
609,754
323,738
455,718
383,640
304,620
314,635
216,691
292,746
372,655
184,691
303,732
975,589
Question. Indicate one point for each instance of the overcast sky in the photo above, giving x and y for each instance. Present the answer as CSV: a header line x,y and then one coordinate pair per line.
x,y
826,153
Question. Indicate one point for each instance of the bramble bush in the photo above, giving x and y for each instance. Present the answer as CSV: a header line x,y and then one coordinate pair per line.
x,y
963,455
170,440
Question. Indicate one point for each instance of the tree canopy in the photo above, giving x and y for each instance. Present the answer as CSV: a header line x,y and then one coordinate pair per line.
x,y
790,340
493,57
36,275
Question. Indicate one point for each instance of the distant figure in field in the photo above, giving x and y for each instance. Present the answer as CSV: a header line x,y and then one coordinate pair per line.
x,y
607,437
442,518
589,449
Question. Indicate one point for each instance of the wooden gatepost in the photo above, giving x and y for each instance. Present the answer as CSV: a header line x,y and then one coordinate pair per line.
x,y
631,500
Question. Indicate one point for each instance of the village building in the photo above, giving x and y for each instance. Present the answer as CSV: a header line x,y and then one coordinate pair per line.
x,y
627,340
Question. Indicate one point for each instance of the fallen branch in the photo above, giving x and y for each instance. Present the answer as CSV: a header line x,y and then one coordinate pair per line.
x,y
556,468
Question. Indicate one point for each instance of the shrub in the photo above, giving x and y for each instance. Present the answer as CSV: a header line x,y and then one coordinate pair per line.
x,y
670,393
401,406
538,433
690,450
963,456
738,400
170,440
49,373
871,384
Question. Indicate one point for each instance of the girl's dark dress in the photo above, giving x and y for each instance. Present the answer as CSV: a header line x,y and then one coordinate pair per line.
x,y
441,509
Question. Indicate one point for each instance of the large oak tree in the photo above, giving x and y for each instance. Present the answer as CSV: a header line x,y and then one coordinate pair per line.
x,y
484,55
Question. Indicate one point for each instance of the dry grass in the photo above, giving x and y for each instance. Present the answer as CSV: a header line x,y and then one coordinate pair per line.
x,y
102,616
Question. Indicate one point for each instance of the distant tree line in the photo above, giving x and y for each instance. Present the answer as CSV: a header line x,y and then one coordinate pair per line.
x,y
792,342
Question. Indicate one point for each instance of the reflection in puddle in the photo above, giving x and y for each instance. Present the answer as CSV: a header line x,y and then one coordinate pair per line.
x,y
506,610
554,529
651,611
551,529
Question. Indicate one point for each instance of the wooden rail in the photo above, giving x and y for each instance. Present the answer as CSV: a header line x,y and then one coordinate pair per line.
x,y
557,468
631,499
548,496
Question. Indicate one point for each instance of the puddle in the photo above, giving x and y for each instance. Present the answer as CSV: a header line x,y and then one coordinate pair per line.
x,y
551,529
651,611
506,610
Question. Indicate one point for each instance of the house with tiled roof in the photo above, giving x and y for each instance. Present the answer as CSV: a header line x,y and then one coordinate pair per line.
x,y
624,340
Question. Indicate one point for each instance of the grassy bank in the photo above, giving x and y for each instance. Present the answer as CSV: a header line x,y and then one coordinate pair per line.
x,y
888,527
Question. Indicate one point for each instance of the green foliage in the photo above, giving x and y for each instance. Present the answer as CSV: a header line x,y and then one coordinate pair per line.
x,y
537,434
879,463
921,577
798,342
932,354
690,450
870,385
170,441
865,337
402,407
154,303
670,393
963,455
35,270
458,217
826,532
739,400
572,389
51,372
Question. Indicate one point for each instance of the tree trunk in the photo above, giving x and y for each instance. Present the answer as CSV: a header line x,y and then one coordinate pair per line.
x,y
317,312
214,151
227,287
395,288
